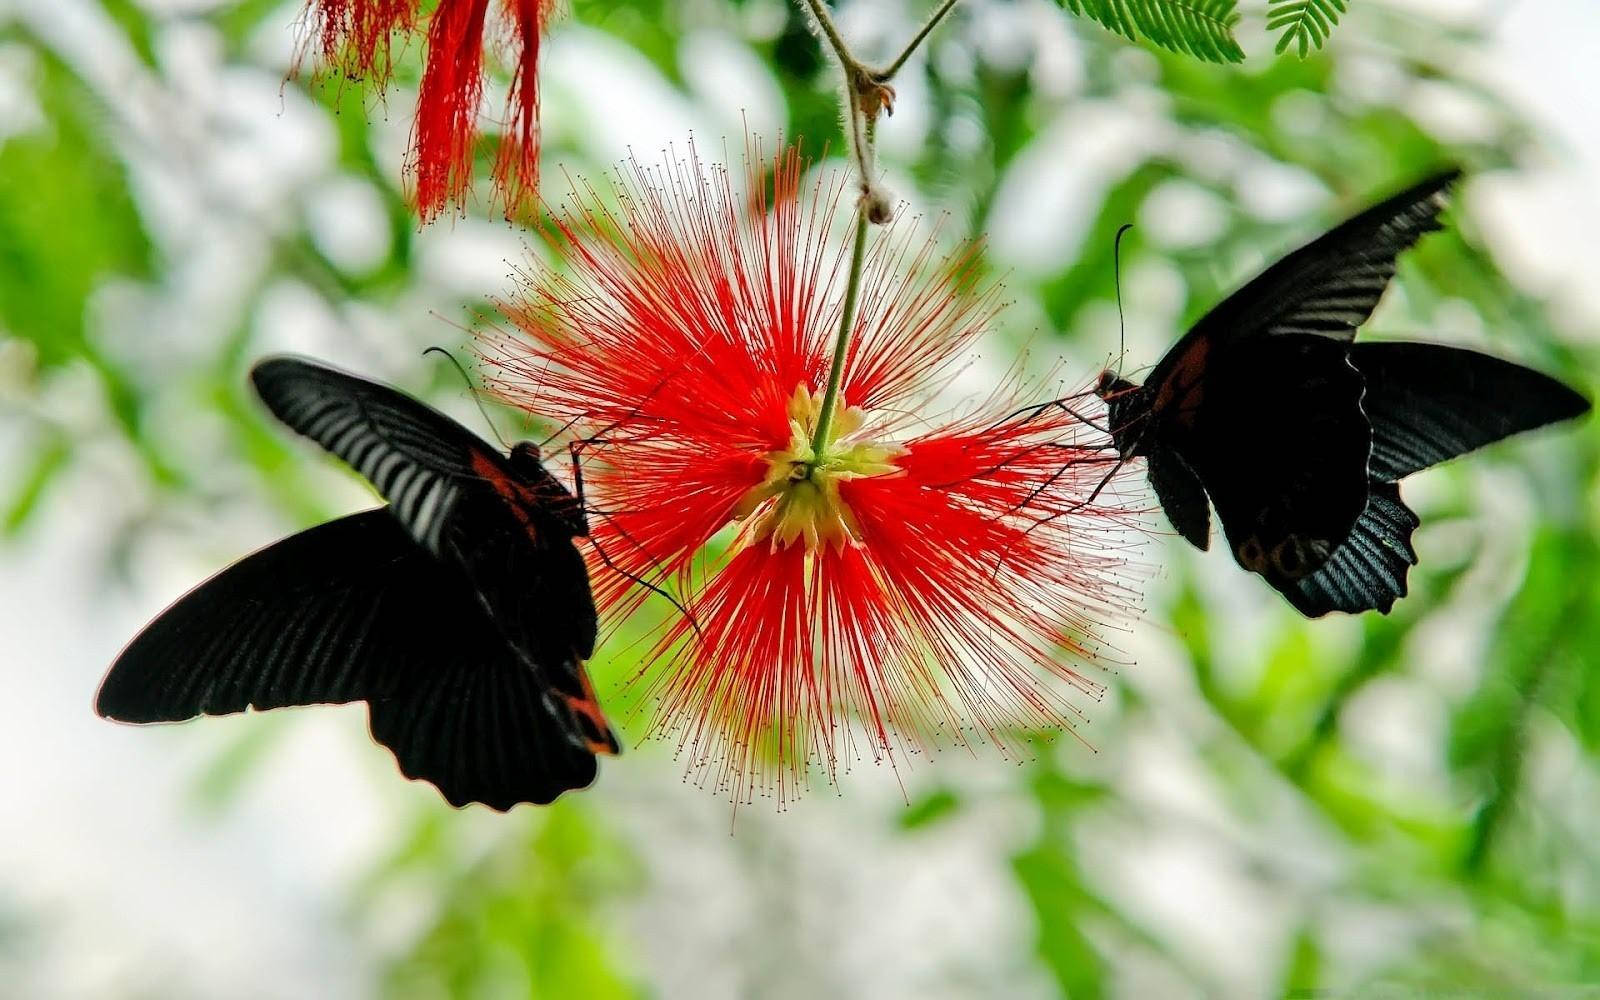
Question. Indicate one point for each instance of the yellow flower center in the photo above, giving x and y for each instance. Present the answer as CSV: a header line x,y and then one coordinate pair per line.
x,y
805,480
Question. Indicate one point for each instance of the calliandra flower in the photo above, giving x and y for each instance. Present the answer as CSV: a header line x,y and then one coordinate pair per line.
x,y
355,37
918,577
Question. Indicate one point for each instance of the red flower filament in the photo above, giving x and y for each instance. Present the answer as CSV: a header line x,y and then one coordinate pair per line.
x,y
355,38
926,576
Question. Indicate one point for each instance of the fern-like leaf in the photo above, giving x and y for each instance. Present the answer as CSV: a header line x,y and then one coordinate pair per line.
x,y
1306,24
1200,28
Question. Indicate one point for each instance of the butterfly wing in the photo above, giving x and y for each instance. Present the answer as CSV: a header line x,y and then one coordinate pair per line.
x,y
418,459
312,619
1327,288
462,502
1368,569
1261,401
1181,494
534,585
1428,403
355,610
1281,446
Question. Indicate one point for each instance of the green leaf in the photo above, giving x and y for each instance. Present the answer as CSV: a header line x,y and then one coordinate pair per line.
x,y
528,917
930,809
1305,964
238,21
136,27
1091,275
1199,28
1049,878
66,218
1305,24
48,460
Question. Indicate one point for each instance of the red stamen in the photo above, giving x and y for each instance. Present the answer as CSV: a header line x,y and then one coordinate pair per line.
x,y
516,168
447,106
355,36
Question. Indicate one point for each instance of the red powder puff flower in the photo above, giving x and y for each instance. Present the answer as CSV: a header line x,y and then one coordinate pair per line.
x,y
930,576
354,37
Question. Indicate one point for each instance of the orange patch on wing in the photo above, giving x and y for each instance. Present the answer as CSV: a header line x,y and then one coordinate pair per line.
x,y
588,707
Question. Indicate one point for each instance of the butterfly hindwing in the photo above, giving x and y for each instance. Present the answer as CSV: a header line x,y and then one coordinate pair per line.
x,y
355,610
481,727
1281,446
1428,403
316,618
1368,570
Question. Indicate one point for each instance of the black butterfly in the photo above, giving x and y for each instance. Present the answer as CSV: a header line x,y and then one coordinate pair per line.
x,y
460,613
1299,435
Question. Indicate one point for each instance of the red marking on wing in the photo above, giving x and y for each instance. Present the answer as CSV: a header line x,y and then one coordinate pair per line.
x,y
517,496
1182,392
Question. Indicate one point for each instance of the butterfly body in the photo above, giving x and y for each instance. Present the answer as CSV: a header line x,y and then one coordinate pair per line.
x,y
1269,411
461,612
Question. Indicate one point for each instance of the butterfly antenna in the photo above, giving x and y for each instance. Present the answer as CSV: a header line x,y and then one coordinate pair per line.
x,y
1116,278
471,391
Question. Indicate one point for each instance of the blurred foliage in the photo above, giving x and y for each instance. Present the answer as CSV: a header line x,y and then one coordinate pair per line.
x,y
1411,798
519,920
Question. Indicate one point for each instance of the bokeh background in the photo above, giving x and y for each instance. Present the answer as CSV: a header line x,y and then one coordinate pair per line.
x,y
1385,807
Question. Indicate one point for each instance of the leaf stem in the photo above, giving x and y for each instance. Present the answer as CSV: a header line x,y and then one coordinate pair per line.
x,y
854,76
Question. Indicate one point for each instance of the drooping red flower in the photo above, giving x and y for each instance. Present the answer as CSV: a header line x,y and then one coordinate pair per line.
x,y
927,571
355,37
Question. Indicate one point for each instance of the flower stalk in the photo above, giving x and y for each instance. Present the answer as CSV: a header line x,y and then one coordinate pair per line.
x,y
866,93
841,345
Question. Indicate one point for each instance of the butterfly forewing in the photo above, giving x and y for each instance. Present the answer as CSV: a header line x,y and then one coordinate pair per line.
x,y
315,618
462,501
415,457
354,610
1181,495
1330,286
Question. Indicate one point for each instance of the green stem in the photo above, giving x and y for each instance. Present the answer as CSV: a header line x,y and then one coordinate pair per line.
x,y
861,128
825,21
847,322
854,74
887,74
